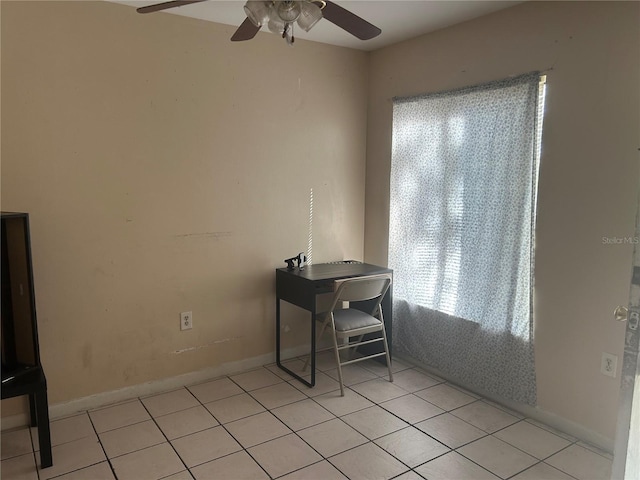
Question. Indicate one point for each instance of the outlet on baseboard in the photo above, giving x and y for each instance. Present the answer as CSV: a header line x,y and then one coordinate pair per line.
x,y
186,320
609,364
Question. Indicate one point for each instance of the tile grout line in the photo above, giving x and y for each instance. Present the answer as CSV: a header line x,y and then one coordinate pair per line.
x,y
538,463
33,451
39,470
220,424
86,412
322,457
245,449
163,434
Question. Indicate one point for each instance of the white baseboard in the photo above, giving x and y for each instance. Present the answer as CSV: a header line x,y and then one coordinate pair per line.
x,y
103,399
536,413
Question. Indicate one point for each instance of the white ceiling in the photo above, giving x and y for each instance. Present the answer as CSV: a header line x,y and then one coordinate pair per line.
x,y
398,19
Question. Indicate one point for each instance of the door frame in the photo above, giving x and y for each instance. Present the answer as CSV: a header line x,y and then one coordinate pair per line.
x,y
626,459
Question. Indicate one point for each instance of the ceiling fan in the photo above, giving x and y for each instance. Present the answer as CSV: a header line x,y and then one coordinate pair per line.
x,y
281,15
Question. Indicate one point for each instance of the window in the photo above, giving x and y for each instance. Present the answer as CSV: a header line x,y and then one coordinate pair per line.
x,y
462,215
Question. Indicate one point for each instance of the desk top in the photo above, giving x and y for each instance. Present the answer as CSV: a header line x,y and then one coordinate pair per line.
x,y
333,271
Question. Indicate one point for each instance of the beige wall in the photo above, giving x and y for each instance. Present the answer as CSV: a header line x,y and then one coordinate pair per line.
x,y
588,180
166,169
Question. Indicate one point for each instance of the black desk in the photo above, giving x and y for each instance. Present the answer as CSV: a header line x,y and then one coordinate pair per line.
x,y
300,287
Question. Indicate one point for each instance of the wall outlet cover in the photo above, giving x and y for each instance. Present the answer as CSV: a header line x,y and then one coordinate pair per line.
x,y
186,320
609,364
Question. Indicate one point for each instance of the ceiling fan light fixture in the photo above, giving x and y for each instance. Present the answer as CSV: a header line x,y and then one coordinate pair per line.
x,y
288,10
310,14
257,12
275,24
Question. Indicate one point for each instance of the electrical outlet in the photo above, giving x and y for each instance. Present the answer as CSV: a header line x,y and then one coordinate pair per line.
x,y
186,320
609,364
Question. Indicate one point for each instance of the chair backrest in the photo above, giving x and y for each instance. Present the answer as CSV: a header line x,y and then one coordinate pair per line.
x,y
361,288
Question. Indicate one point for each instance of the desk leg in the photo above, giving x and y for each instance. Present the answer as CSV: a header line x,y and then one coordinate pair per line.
x,y
313,349
313,345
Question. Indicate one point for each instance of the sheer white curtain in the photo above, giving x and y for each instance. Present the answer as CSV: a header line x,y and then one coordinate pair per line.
x,y
463,183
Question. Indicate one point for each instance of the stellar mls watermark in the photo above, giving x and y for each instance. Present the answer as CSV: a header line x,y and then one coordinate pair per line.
x,y
620,240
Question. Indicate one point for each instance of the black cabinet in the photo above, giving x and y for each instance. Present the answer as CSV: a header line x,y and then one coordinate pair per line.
x,y
22,372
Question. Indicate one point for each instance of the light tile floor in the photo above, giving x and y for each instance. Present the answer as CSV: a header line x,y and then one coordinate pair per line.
x,y
263,424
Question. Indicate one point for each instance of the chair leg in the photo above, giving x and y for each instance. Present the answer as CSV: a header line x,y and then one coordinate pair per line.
x,y
44,433
386,351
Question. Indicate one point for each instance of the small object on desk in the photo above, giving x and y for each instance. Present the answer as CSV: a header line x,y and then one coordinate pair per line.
x,y
301,259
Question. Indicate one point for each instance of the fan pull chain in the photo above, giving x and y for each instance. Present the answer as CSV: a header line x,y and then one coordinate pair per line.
x,y
287,34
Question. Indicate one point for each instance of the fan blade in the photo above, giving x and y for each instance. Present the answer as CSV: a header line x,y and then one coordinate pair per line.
x,y
246,31
350,22
163,6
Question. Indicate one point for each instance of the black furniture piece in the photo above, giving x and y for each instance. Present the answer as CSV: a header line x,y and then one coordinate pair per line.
x,y
22,373
301,287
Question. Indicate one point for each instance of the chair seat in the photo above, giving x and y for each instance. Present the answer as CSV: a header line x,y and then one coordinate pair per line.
x,y
352,319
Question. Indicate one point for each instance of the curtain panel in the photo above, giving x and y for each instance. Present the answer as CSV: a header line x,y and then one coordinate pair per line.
x,y
462,218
